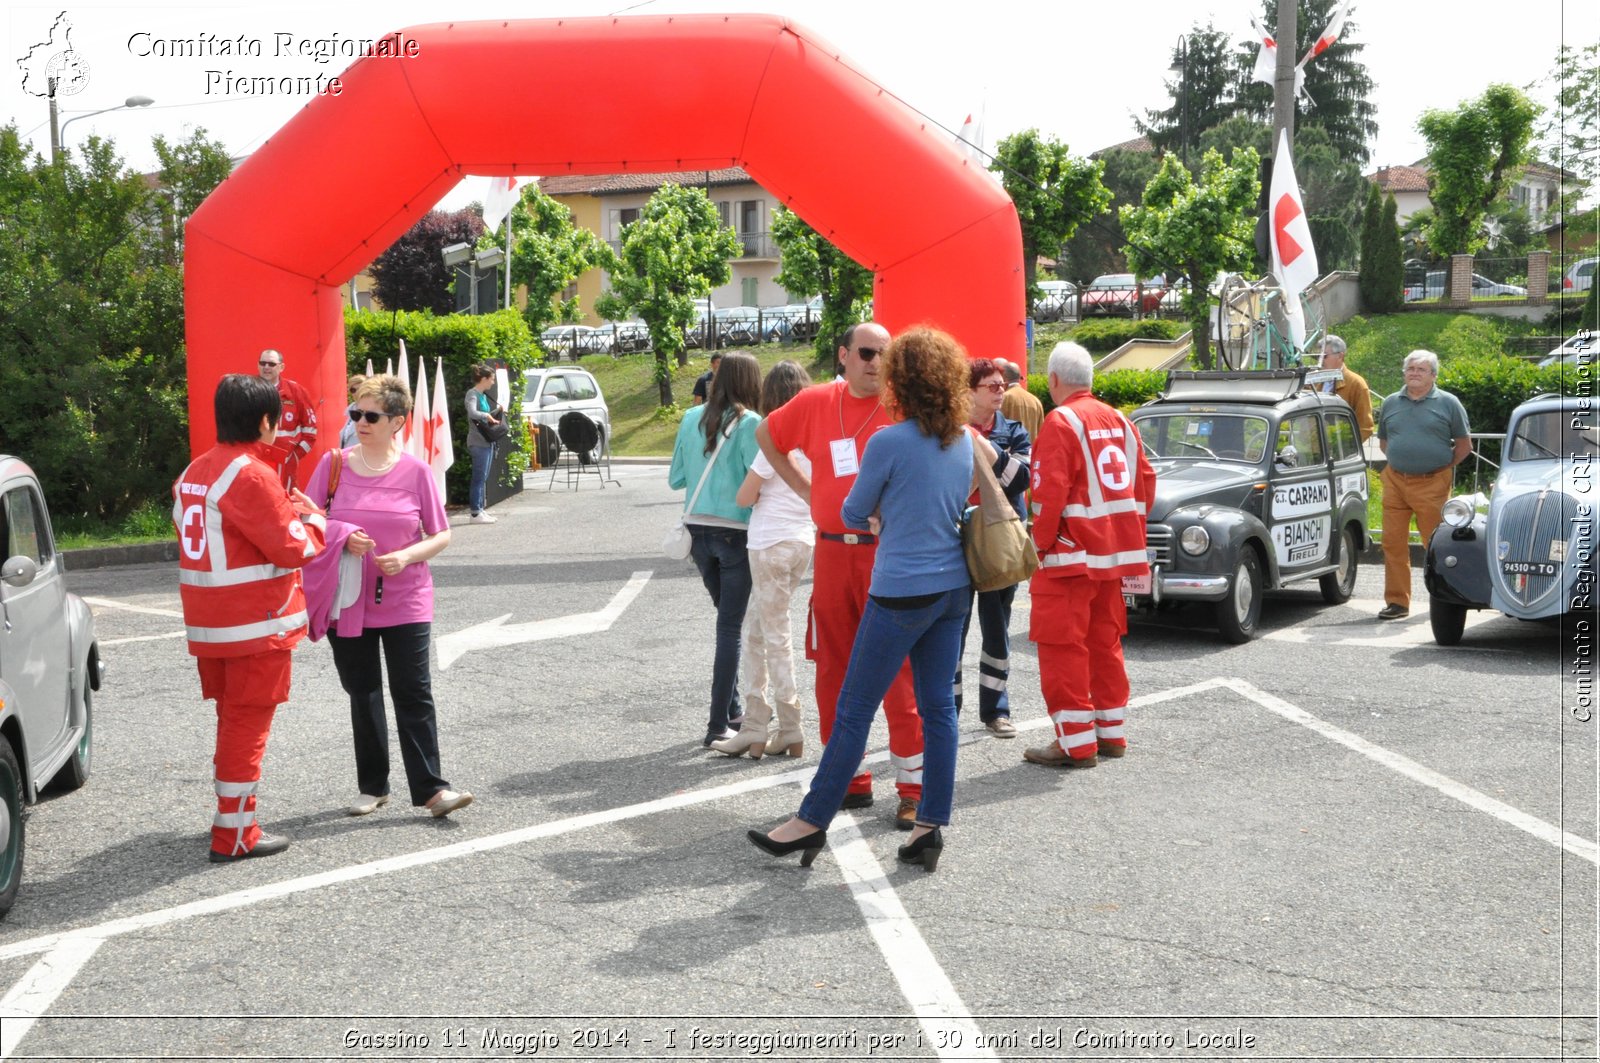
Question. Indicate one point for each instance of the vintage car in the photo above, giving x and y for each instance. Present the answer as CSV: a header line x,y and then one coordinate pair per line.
x,y
49,667
1531,556
1260,484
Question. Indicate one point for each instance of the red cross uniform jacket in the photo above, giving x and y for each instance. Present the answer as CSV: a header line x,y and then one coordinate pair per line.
x,y
240,549
297,425
1092,486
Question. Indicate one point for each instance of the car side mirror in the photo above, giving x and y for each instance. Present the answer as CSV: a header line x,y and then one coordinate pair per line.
x,y
19,571
549,400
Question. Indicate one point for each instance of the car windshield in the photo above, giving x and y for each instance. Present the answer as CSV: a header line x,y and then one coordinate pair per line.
x,y
1553,434
1205,436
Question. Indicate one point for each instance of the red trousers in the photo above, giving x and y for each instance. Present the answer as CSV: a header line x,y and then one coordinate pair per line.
x,y
247,690
840,576
1078,624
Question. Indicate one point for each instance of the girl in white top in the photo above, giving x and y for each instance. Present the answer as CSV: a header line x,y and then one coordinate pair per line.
x,y
780,540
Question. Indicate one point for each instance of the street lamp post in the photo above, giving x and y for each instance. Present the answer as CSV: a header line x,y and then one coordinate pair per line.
x,y
58,136
1180,66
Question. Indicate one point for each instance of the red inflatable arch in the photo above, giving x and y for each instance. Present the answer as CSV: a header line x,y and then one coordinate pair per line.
x,y
349,174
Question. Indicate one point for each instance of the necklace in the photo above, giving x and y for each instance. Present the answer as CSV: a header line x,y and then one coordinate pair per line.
x,y
870,415
394,456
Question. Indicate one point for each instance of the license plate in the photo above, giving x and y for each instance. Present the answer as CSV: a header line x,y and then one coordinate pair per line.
x,y
1527,568
1136,584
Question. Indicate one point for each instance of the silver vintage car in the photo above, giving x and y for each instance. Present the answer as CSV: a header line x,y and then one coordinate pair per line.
x,y
49,668
1532,555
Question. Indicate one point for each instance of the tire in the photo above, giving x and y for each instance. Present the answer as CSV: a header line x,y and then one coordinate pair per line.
x,y
1338,586
1239,614
1447,620
75,772
13,828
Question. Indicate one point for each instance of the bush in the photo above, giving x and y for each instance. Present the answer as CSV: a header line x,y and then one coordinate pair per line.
x,y
1491,386
1121,388
462,341
1105,336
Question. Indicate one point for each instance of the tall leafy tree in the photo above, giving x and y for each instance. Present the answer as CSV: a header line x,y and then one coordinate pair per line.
x,y
548,253
1474,153
190,170
1371,236
1334,192
1199,225
1206,84
1054,193
1096,247
1338,89
1388,266
813,266
672,256
1570,132
411,274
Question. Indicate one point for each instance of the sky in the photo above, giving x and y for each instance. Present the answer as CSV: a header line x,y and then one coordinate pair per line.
x,y
1077,71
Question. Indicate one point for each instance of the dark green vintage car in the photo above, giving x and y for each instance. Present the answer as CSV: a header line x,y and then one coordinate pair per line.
x,y
1261,483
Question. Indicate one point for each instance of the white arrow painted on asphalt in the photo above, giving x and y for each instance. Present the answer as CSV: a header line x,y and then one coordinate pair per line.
x,y
493,633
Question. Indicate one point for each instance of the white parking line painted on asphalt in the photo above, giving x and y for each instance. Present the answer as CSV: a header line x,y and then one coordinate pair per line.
x,y
107,603
31,998
1545,832
141,638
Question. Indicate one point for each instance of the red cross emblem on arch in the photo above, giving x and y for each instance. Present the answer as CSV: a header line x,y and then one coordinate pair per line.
x,y
1112,465
192,533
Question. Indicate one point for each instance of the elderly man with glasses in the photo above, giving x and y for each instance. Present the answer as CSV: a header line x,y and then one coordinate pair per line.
x,y
297,427
1352,388
1423,434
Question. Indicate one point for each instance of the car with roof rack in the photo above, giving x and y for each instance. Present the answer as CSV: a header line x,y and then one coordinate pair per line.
x,y
1261,484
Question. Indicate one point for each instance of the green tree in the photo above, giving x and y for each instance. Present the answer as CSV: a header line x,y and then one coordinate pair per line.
x,y
190,170
1206,83
671,257
1334,192
1371,238
1200,226
1096,247
1570,133
1054,193
1474,152
1388,267
1338,90
548,253
813,266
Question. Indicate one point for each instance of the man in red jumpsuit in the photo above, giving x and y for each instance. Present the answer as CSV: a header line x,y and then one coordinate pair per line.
x,y
1092,486
830,424
297,427
242,541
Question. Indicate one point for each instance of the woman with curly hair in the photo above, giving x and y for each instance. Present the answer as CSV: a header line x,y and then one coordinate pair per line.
x,y
911,491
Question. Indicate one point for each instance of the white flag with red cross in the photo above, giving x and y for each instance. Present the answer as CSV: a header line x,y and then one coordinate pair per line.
x,y
418,424
498,200
1330,36
1294,259
1266,68
442,453
405,379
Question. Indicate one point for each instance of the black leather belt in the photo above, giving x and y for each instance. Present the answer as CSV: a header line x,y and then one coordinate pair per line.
x,y
852,538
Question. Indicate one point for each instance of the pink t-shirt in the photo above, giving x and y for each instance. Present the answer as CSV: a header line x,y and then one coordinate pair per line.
x,y
396,509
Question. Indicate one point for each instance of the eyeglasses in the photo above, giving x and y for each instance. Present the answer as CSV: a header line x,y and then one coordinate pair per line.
x,y
371,416
867,354
269,365
996,388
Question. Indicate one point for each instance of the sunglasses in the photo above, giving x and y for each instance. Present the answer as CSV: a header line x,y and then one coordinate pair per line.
x,y
371,416
268,365
867,354
995,388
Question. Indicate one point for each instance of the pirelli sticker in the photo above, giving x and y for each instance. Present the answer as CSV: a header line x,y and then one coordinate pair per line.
x,y
1301,499
1301,542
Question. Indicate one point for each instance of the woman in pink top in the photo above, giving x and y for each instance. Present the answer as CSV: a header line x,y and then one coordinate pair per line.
x,y
392,499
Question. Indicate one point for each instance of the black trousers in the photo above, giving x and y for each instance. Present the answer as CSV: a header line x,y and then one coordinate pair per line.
x,y
404,650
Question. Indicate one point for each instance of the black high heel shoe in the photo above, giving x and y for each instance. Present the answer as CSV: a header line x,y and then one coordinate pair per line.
x,y
808,847
925,850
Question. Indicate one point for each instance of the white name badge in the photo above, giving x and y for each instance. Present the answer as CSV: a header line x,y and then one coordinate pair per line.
x,y
844,457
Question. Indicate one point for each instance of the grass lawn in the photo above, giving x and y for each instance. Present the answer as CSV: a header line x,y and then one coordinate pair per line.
x,y
639,426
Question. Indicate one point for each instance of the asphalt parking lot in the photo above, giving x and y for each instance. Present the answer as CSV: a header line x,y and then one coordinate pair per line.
x,y
1338,841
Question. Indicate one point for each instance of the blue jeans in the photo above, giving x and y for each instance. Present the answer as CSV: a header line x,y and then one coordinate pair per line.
x,y
724,564
481,456
931,636
994,661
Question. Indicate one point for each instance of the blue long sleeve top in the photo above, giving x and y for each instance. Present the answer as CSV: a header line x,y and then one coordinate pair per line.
x,y
918,489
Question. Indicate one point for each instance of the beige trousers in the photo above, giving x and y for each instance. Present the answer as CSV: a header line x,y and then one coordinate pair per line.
x,y
768,656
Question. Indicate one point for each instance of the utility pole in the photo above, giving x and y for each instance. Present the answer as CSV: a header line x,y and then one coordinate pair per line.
x,y
1283,82
55,131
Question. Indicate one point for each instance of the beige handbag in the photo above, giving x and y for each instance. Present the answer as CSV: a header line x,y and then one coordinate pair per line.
x,y
997,544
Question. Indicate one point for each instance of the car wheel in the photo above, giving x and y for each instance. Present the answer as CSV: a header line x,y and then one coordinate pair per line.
x,y
1239,614
1337,586
1447,620
75,772
13,835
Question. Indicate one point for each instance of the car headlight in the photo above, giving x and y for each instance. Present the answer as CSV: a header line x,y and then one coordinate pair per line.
x,y
1195,540
1458,513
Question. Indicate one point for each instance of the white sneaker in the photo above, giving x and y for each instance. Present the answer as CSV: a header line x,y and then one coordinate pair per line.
x,y
480,518
448,801
366,804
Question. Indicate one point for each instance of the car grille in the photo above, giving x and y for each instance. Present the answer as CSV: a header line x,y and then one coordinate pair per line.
x,y
1529,524
1158,541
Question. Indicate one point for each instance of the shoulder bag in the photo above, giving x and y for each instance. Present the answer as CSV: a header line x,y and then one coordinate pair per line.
x,y
495,431
676,542
999,550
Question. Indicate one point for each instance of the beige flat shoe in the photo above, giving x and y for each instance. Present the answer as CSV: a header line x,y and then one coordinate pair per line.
x,y
447,801
366,804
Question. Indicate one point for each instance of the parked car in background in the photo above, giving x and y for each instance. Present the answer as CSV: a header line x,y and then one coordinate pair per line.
x,y
1580,348
1057,300
1580,275
49,668
570,341
1260,484
1116,294
552,391
1432,287
623,337
739,326
1532,555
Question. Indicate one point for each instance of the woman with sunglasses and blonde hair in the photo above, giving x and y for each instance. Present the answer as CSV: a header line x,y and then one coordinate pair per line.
x,y
393,502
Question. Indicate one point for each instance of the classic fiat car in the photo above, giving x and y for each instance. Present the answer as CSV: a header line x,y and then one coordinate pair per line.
x,y
1260,484
1531,556
49,666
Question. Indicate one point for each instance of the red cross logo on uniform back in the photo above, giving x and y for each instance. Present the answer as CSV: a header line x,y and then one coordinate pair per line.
x,y
194,532
1112,465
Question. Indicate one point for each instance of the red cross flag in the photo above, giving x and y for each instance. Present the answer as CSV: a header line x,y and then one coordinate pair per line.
x,y
1329,36
1266,69
442,454
405,379
1294,260
418,426
498,200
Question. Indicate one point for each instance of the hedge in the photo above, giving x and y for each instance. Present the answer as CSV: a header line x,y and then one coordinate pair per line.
x,y
1491,386
1105,336
462,340
1122,388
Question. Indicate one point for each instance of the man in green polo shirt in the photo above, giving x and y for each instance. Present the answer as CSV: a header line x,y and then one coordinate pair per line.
x,y
1423,434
